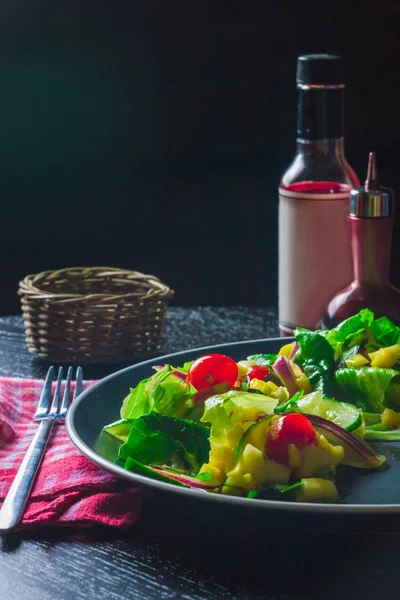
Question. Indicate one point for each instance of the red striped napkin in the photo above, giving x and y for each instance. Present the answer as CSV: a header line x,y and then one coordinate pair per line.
x,y
69,489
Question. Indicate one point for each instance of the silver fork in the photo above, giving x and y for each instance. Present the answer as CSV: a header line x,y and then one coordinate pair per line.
x,y
47,413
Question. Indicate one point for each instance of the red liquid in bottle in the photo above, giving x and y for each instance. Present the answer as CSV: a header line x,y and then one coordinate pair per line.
x,y
318,187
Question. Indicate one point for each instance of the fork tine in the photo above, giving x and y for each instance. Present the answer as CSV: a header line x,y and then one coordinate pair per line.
x,y
56,398
78,384
65,401
44,401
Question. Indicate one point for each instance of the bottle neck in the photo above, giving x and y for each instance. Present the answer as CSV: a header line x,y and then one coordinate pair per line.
x,y
320,113
371,245
329,147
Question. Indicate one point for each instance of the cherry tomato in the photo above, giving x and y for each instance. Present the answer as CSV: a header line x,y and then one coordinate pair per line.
x,y
211,369
257,372
290,429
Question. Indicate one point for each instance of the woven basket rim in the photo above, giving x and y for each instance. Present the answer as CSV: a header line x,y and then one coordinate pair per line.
x,y
94,314
29,289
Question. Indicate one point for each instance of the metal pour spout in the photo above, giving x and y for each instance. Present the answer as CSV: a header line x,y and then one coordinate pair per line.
x,y
371,181
371,200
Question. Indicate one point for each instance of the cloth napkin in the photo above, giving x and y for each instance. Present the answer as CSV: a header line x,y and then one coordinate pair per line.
x,y
69,489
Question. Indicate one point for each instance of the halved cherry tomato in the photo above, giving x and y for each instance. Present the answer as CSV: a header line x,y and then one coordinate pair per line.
x,y
211,369
257,372
290,429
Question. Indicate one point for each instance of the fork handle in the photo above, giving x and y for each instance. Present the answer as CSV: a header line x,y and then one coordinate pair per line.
x,y
18,494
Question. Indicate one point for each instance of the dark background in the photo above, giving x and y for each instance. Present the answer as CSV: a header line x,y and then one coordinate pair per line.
x,y
152,134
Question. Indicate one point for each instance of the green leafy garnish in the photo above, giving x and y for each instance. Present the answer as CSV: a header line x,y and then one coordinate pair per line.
x,y
384,332
157,439
205,476
365,387
392,394
163,393
220,410
290,405
315,357
264,360
351,332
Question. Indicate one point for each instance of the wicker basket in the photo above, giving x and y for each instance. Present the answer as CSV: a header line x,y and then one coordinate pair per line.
x,y
94,315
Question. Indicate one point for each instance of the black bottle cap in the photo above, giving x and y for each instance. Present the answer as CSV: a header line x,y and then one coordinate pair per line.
x,y
320,69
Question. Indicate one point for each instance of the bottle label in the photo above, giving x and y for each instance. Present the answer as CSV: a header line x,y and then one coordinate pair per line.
x,y
315,260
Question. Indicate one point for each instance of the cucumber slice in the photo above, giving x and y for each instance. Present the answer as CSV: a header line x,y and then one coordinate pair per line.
x,y
255,434
120,429
341,413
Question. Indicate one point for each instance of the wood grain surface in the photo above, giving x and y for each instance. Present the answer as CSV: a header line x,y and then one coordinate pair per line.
x,y
180,550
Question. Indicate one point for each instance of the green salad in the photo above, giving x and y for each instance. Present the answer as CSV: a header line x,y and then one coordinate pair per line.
x,y
271,426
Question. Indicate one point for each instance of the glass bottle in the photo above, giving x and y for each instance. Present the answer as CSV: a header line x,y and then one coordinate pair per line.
x,y
314,235
371,223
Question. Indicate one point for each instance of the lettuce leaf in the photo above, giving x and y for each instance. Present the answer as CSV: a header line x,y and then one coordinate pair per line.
x,y
392,394
365,387
351,332
217,416
313,346
265,360
222,410
384,332
137,402
315,357
157,439
163,393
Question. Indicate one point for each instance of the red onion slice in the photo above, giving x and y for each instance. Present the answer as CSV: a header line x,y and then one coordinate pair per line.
x,y
187,480
285,373
294,350
357,452
175,372
179,374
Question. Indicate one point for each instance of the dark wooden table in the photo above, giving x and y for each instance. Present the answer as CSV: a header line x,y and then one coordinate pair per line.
x,y
178,551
